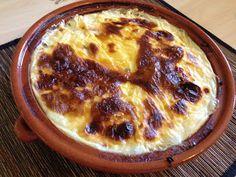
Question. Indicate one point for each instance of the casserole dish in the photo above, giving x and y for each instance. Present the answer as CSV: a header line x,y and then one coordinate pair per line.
x,y
34,124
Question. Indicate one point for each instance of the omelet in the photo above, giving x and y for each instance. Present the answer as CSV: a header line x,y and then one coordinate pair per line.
x,y
123,81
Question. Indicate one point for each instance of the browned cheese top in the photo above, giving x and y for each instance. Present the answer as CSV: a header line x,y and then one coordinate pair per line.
x,y
124,84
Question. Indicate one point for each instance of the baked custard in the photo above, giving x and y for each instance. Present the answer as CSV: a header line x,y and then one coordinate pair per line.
x,y
123,81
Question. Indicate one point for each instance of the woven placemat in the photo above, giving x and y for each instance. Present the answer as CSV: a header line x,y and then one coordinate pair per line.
x,y
18,159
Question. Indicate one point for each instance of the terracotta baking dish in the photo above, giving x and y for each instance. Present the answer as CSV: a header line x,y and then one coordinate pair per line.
x,y
33,124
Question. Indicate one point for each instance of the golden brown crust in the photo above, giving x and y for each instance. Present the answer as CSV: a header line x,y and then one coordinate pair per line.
x,y
155,71
140,103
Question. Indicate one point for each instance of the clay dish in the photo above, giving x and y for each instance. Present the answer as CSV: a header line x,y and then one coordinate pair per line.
x,y
33,123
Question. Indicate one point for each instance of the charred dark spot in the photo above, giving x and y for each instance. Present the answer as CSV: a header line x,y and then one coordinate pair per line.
x,y
111,47
148,78
173,53
70,72
179,107
82,95
146,56
47,81
112,29
110,106
148,73
121,131
43,60
61,65
189,91
65,102
93,127
93,48
155,118
161,35
153,70
206,90
122,22
63,52
171,75
143,23
57,101
165,34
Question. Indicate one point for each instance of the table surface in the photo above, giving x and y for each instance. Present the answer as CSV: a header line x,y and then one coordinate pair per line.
x,y
217,16
25,13
18,159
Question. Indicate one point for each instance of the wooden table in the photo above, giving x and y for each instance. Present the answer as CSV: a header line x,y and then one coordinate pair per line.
x,y
217,16
18,159
18,15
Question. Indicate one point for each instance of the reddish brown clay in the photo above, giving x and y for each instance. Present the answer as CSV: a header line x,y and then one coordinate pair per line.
x,y
23,132
42,128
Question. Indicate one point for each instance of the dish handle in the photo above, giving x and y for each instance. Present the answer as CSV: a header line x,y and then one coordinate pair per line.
x,y
23,131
